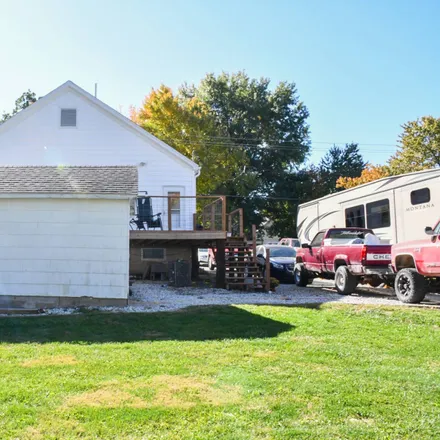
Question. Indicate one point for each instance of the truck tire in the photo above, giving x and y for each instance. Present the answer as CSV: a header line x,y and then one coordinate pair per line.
x,y
301,276
345,282
410,286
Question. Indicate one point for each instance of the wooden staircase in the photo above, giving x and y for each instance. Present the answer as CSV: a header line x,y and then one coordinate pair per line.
x,y
242,270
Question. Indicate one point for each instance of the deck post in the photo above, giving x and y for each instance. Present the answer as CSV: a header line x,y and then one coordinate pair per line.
x,y
254,242
220,280
268,270
241,222
194,262
223,198
213,217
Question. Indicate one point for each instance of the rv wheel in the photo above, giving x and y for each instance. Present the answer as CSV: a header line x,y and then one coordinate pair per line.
x,y
345,282
410,286
301,276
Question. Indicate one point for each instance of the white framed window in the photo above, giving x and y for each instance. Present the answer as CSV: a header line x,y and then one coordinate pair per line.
x,y
68,117
154,254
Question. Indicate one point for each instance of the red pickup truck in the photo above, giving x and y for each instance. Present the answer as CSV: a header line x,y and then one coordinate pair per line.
x,y
348,255
417,266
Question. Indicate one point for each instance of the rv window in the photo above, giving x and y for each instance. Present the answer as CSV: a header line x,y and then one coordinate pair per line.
x,y
420,196
378,214
355,217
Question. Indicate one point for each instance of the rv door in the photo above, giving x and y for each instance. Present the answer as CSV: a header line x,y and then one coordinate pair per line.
x,y
416,207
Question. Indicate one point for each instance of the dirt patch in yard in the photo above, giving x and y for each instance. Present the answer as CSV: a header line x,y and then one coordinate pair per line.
x,y
47,361
108,398
265,354
165,391
55,428
187,391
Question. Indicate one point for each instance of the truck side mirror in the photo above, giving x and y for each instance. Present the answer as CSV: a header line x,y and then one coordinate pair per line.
x,y
429,231
305,246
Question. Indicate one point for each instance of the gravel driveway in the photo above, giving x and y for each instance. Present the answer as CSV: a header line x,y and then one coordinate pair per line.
x,y
154,297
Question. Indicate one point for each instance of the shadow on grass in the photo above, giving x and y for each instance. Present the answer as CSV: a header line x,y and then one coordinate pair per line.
x,y
191,324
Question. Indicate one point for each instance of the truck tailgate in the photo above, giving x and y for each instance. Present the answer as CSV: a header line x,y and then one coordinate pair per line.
x,y
376,255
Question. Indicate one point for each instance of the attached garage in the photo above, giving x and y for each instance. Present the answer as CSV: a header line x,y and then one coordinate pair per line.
x,y
64,235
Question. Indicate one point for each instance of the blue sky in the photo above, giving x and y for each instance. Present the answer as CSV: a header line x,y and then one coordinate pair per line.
x,y
363,68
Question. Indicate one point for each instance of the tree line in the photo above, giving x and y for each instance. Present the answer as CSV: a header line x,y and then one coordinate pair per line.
x,y
252,142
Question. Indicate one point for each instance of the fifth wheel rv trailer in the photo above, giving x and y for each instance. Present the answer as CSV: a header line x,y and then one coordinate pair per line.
x,y
397,208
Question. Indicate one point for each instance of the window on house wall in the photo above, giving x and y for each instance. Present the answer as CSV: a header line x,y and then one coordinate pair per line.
x,y
355,217
153,254
378,214
420,196
68,117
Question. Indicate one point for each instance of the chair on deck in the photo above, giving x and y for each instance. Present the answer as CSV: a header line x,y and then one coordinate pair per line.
x,y
145,215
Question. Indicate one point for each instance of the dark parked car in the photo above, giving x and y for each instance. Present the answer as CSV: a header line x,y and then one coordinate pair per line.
x,y
282,261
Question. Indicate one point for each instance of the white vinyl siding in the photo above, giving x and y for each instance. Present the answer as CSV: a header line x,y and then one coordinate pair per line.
x,y
64,247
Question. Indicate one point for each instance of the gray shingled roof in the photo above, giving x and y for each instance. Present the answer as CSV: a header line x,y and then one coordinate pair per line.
x,y
117,180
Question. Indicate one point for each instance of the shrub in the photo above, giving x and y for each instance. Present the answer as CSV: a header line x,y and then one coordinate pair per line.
x,y
274,283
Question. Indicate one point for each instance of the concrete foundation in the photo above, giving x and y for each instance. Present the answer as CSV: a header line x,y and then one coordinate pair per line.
x,y
45,302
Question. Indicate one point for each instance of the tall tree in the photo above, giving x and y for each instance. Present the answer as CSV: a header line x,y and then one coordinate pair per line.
x,y
419,147
268,125
24,101
188,126
339,162
298,187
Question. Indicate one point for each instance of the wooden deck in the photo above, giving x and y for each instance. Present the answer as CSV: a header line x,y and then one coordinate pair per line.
x,y
201,238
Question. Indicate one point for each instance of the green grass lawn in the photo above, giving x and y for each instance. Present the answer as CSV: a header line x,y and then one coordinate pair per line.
x,y
249,372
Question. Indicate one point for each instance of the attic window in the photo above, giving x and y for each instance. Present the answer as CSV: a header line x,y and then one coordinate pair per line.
x,y
68,117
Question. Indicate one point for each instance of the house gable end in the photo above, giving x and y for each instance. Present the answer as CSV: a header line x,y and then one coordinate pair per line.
x,y
39,124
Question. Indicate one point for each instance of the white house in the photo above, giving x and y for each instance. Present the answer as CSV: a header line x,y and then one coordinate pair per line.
x,y
63,235
69,126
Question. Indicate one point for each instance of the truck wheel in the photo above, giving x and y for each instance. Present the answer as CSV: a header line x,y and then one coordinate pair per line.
x,y
410,286
301,276
211,265
345,281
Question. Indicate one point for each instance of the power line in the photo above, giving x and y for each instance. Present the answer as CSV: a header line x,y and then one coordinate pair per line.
x,y
247,141
267,147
